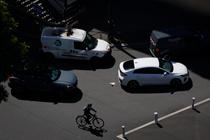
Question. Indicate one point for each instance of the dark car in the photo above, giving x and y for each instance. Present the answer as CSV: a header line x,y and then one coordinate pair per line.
x,y
50,79
175,41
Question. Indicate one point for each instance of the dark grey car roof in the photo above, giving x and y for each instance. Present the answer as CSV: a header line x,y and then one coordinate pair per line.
x,y
171,32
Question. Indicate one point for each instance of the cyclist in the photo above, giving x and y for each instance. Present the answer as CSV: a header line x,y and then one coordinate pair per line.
x,y
87,112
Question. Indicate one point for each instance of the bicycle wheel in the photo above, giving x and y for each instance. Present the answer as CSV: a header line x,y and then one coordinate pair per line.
x,y
98,122
80,120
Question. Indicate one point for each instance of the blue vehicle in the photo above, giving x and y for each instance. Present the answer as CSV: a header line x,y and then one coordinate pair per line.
x,y
48,80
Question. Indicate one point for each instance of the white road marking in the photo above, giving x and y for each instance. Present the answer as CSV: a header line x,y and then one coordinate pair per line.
x,y
162,118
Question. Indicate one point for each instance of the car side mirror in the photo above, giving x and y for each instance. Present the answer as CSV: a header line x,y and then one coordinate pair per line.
x,y
83,51
165,73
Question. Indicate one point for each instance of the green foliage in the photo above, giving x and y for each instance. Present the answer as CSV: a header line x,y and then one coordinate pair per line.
x,y
12,50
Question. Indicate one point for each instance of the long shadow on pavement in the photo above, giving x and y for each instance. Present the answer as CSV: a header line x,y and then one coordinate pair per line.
x,y
85,64
53,97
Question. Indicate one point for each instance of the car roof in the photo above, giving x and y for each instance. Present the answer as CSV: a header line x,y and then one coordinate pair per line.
x,y
171,32
146,62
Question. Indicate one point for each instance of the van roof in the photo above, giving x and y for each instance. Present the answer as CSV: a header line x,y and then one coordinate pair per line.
x,y
77,34
60,32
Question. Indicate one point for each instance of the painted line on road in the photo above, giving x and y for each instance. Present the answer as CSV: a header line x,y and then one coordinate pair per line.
x,y
162,118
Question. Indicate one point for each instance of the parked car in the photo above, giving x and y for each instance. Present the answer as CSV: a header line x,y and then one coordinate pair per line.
x,y
167,43
59,42
152,71
46,80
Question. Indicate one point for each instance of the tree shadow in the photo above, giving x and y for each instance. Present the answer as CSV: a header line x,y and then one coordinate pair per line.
x,y
93,130
84,64
3,94
134,23
159,89
121,48
198,62
68,97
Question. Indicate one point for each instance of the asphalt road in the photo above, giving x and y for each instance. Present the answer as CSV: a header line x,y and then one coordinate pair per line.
x,y
36,117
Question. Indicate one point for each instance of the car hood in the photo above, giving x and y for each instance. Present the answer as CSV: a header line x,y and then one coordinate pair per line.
x,y
179,68
102,46
67,77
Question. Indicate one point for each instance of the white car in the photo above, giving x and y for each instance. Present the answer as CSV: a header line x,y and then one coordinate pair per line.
x,y
152,71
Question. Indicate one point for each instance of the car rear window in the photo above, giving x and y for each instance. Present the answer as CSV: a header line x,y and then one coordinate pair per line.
x,y
128,65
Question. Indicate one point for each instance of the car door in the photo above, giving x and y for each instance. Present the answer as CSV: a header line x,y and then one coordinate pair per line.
x,y
151,76
37,82
157,76
80,51
141,76
44,83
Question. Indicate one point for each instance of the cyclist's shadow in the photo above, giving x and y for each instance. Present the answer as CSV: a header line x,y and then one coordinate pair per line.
x,y
93,130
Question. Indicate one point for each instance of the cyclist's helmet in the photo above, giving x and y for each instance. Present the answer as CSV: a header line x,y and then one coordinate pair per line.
x,y
89,105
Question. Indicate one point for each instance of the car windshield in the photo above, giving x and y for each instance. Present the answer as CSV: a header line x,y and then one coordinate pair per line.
x,y
54,74
128,65
166,65
90,42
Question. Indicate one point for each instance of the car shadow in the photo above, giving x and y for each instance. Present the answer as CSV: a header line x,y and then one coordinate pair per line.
x,y
53,97
159,89
84,64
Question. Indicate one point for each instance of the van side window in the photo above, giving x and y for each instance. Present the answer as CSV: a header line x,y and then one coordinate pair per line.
x,y
79,45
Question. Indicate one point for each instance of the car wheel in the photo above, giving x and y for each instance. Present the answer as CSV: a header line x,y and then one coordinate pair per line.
x,y
176,83
133,84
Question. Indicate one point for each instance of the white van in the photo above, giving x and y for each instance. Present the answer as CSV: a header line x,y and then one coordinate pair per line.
x,y
60,42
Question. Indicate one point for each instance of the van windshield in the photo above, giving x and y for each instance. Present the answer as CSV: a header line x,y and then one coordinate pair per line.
x,y
55,74
90,42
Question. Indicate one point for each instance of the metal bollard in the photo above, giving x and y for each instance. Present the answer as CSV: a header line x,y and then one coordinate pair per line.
x,y
123,131
156,117
193,102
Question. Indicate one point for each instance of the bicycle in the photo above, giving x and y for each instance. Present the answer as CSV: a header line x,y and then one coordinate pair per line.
x,y
97,122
